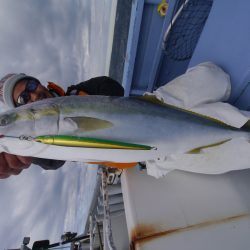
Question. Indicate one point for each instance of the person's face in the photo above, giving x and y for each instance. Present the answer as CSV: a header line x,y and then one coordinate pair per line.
x,y
29,90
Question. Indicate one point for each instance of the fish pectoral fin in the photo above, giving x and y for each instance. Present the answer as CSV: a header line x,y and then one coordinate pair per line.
x,y
86,124
199,149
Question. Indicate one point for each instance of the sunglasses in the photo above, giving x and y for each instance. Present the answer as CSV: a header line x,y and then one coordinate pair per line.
x,y
24,97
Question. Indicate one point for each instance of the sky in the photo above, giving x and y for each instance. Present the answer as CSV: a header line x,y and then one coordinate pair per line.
x,y
66,42
55,40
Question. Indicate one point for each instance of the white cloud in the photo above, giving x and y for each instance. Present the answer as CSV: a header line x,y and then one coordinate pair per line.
x,y
40,38
63,41
40,205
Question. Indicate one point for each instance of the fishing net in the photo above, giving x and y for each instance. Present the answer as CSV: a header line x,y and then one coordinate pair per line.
x,y
185,28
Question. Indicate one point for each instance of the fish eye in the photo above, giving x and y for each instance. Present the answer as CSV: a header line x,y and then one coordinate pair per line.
x,y
7,119
4,120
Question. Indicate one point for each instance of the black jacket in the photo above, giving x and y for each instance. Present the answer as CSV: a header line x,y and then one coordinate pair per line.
x,y
102,85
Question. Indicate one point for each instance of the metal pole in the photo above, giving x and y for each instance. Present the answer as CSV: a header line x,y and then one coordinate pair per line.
x,y
91,232
107,227
99,234
60,247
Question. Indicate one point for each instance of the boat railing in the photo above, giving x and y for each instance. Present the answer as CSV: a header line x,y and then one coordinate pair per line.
x,y
109,203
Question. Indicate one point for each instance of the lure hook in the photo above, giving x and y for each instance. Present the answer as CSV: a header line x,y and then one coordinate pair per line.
x,y
26,138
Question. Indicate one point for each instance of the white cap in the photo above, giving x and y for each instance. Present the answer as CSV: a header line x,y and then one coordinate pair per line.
x,y
7,84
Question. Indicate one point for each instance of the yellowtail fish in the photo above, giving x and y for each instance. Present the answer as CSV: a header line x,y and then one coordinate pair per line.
x,y
159,130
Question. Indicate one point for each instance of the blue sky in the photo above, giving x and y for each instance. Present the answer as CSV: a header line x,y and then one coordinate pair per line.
x,y
66,42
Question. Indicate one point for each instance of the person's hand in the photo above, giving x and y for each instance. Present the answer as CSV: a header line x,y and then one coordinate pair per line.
x,y
12,164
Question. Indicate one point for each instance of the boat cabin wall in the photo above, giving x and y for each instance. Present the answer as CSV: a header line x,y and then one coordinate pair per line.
x,y
225,41
158,50
155,56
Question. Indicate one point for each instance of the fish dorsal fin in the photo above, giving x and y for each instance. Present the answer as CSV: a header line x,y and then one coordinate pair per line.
x,y
154,100
199,149
246,126
151,99
87,124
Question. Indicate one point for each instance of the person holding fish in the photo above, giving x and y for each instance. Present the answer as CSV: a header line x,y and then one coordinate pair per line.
x,y
184,125
20,89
